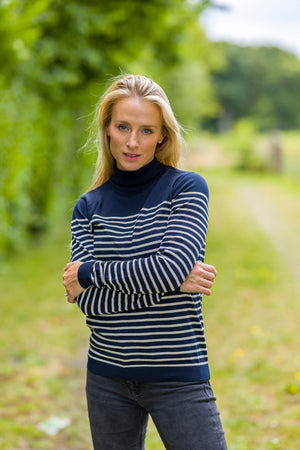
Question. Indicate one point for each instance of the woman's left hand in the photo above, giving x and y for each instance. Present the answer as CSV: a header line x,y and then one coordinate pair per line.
x,y
71,283
200,279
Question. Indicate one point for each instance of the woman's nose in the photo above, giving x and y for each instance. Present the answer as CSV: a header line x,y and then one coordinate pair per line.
x,y
133,140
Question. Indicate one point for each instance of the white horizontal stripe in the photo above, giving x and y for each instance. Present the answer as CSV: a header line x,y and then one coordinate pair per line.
x,y
154,314
190,331
122,239
149,320
190,194
129,233
195,352
137,225
127,220
100,343
154,364
154,360
161,341
133,247
141,327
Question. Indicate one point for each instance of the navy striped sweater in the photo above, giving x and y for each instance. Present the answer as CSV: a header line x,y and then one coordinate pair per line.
x,y
139,235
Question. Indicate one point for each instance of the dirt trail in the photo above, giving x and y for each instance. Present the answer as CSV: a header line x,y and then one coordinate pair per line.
x,y
278,215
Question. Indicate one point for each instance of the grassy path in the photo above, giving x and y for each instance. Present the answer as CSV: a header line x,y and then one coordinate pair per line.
x,y
252,327
252,320
272,208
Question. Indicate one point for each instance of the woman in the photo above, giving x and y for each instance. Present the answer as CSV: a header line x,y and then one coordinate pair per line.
x,y
137,273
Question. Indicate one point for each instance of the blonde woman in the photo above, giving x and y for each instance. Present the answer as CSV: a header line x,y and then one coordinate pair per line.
x,y
137,273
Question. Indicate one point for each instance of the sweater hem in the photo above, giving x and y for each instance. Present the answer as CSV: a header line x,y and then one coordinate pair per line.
x,y
194,373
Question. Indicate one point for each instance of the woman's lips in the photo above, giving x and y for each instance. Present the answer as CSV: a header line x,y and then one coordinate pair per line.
x,y
131,156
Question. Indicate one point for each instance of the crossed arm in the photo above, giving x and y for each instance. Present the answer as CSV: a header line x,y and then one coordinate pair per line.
x,y
200,279
174,266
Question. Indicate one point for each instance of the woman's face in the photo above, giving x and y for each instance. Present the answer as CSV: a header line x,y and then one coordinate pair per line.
x,y
135,130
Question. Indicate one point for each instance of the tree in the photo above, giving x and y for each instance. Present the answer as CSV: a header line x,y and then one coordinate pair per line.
x,y
259,82
55,56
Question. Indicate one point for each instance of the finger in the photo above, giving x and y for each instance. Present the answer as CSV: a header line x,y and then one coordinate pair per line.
x,y
207,292
205,283
205,267
204,290
210,268
202,273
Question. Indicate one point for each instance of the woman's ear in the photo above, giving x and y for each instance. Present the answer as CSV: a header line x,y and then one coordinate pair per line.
x,y
161,138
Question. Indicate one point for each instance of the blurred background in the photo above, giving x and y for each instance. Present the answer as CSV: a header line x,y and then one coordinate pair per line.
x,y
232,73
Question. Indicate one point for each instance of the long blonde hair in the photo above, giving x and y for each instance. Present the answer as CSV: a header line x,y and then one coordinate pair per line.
x,y
168,152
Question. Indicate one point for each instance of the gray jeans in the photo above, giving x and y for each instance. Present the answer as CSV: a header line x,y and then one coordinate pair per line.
x,y
185,414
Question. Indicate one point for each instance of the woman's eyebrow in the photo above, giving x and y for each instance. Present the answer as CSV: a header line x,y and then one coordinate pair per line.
x,y
128,123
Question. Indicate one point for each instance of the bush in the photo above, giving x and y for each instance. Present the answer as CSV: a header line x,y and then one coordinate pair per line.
x,y
242,140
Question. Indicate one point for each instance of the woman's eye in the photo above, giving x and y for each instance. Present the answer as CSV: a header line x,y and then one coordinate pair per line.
x,y
122,127
147,131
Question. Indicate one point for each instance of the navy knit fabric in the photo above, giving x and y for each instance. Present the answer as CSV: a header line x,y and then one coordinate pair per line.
x,y
139,235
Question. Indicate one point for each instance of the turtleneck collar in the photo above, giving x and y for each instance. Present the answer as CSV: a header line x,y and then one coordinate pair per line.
x,y
137,177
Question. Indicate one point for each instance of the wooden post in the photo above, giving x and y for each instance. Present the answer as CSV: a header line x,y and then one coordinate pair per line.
x,y
276,152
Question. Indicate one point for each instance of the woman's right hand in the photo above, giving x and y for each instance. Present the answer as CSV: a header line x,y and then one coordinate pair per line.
x,y
71,283
200,279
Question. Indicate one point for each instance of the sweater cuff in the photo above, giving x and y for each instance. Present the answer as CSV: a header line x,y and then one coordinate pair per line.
x,y
85,274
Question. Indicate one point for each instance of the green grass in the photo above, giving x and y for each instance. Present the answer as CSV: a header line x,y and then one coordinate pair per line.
x,y
252,330
252,320
43,345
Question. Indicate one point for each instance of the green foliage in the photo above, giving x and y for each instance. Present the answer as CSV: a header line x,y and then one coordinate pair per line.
x,y
242,141
34,155
188,84
259,82
56,57
63,45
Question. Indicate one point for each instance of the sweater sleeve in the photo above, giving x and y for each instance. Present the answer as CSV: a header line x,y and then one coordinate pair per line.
x,y
182,245
82,235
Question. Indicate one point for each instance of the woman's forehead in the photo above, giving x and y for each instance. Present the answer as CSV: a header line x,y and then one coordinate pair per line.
x,y
137,109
